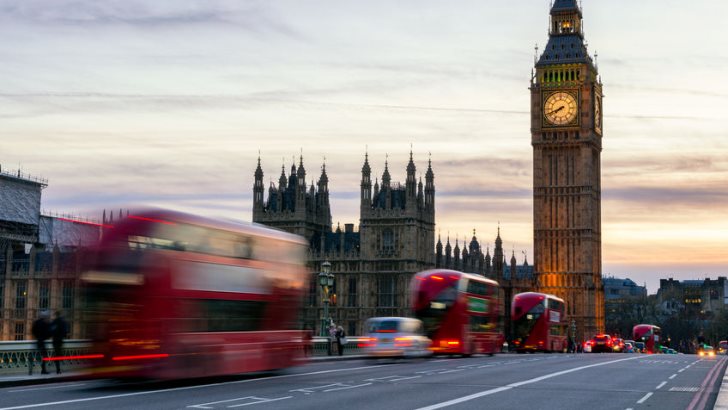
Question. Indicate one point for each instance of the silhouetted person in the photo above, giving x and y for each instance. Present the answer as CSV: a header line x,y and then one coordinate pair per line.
x,y
339,342
41,332
59,331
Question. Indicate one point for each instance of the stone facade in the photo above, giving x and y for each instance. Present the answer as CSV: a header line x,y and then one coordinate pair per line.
x,y
41,257
372,266
700,299
566,131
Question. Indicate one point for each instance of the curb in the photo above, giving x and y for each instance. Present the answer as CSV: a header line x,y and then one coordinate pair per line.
x,y
40,380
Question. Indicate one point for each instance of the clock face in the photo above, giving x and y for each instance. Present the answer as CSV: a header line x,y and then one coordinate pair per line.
x,y
560,108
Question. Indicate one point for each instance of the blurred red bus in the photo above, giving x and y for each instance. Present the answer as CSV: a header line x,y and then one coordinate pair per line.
x,y
539,323
170,295
650,335
460,311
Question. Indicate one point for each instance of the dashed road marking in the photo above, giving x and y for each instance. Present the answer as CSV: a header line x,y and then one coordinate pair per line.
x,y
660,385
253,400
673,376
347,387
644,398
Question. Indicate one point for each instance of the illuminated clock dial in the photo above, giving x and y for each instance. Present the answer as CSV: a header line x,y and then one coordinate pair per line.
x,y
560,108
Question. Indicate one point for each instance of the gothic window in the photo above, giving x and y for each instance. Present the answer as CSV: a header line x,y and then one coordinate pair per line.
x,y
44,293
67,294
388,240
351,297
19,331
21,294
386,288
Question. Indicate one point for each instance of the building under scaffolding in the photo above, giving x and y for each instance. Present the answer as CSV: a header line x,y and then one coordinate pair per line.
x,y
40,257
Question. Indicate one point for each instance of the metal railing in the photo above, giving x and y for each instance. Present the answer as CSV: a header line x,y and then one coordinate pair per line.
x,y
17,356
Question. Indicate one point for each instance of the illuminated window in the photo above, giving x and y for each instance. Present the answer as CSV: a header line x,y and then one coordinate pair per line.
x,y
21,294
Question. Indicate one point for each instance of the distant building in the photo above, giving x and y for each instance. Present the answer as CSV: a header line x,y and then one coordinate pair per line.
x,y
699,299
624,305
616,288
40,258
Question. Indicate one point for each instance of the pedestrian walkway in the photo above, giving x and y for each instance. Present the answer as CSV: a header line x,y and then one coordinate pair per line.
x,y
721,403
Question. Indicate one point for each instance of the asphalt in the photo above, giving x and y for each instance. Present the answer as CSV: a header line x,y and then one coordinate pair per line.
x,y
24,379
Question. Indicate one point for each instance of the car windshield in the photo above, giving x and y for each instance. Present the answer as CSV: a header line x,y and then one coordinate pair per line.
x,y
601,338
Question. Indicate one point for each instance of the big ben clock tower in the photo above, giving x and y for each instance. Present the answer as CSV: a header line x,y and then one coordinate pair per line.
x,y
566,134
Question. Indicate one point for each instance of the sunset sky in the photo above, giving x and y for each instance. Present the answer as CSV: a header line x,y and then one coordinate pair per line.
x,y
167,103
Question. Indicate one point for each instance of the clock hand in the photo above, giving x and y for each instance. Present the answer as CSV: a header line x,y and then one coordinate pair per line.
x,y
556,110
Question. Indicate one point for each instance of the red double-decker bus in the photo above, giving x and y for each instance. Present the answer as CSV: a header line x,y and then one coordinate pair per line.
x,y
539,323
460,311
170,295
650,335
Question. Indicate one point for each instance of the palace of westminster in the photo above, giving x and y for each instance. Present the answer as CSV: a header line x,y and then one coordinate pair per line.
x,y
396,236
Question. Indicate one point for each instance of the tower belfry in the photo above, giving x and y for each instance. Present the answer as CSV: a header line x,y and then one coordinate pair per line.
x,y
566,135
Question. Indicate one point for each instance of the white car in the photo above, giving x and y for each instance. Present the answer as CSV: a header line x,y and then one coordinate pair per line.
x,y
395,337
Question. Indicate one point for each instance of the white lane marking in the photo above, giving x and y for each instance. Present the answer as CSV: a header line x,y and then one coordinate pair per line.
x,y
673,376
681,370
347,387
260,400
405,378
512,385
660,385
114,396
685,389
629,408
257,400
451,371
309,390
47,388
643,399
486,365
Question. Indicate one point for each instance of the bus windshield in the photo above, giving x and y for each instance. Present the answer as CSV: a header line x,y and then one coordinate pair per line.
x,y
433,314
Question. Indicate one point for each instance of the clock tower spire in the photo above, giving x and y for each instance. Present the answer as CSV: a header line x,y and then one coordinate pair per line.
x,y
566,135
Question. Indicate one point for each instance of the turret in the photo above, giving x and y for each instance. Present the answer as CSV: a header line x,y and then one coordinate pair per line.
x,y
258,189
430,190
448,254
323,206
438,253
386,186
301,188
411,185
366,185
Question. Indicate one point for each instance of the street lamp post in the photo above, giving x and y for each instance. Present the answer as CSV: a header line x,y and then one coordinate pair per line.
x,y
326,280
573,333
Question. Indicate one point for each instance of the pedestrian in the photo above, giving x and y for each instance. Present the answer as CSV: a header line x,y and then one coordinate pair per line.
x,y
332,336
307,341
41,332
340,340
59,331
